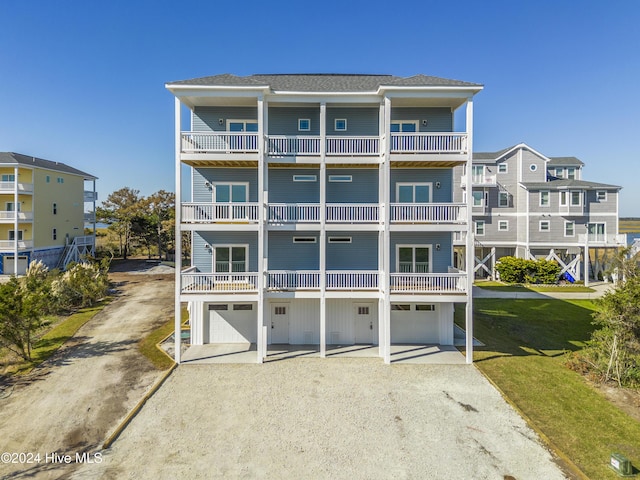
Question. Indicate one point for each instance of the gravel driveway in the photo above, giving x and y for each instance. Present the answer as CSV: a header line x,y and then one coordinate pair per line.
x,y
326,419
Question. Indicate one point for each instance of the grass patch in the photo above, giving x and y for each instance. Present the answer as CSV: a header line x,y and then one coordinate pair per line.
x,y
503,287
524,355
148,346
54,338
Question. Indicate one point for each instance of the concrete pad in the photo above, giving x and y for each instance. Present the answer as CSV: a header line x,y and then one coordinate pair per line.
x,y
427,354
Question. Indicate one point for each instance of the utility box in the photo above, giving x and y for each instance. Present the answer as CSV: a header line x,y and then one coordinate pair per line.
x,y
621,465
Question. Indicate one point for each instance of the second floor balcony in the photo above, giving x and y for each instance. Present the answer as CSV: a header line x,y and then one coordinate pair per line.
x,y
8,216
10,187
9,245
220,213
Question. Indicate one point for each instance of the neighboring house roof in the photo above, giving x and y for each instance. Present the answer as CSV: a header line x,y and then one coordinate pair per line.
x,y
565,184
323,82
10,158
565,161
493,157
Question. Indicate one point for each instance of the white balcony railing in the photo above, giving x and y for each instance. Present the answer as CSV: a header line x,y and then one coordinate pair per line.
x,y
282,145
293,280
450,142
11,216
237,282
428,283
294,212
428,213
10,244
352,280
479,180
90,196
219,142
9,187
220,212
352,213
89,217
603,239
353,146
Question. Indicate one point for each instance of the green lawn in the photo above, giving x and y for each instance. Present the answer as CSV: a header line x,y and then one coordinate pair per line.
x,y
524,354
149,347
503,287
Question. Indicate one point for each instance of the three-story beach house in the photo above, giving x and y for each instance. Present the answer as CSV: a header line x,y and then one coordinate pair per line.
x,y
42,213
321,209
529,205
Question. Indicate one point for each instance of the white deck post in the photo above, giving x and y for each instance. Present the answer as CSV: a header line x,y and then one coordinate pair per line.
x,y
586,258
323,229
470,249
261,232
178,233
386,267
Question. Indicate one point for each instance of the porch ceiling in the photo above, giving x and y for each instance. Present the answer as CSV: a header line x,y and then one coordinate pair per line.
x,y
222,163
426,164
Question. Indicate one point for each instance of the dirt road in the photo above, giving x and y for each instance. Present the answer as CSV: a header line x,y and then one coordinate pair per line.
x,y
71,403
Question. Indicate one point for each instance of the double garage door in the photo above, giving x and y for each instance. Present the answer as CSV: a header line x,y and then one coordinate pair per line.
x,y
8,265
232,323
415,323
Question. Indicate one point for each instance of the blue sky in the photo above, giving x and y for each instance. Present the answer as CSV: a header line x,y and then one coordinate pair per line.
x,y
83,82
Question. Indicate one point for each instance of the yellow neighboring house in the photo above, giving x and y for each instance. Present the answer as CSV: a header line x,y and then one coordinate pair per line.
x,y
42,213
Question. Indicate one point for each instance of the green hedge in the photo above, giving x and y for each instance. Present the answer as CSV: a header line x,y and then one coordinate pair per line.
x,y
520,270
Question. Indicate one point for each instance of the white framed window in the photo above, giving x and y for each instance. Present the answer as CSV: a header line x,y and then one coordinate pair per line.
x,y
401,307
363,310
544,226
404,126
12,235
477,174
231,192
503,225
8,177
544,198
596,232
569,229
304,124
339,239
502,168
229,258
479,228
564,199
12,207
425,307
601,195
559,172
503,199
478,199
280,310
54,234
414,192
576,198
340,178
305,239
571,173
305,178
340,124
413,258
242,125
219,307
242,306
533,167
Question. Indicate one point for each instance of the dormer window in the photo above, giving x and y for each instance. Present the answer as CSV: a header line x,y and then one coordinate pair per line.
x,y
571,173
559,172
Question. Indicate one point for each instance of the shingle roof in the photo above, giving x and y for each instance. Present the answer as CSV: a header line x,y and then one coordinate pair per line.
x,y
563,183
324,82
488,156
571,161
10,158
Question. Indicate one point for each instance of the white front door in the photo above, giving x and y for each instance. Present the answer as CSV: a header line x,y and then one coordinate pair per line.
x,y
363,323
280,323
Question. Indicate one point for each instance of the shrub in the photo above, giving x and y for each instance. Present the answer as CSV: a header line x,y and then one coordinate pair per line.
x,y
520,270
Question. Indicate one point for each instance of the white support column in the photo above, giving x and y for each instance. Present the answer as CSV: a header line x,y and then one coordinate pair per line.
x,y
493,263
16,200
178,233
386,244
261,232
323,229
470,247
586,258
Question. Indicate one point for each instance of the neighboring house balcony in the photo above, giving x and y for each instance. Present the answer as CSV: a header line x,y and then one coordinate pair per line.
x,y
8,245
479,181
601,239
10,216
89,217
90,196
10,187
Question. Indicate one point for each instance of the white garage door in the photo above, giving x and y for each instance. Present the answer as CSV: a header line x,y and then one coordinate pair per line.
x,y
232,323
8,265
415,324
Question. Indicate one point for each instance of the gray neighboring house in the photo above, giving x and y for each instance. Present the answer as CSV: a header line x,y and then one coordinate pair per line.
x,y
529,205
322,209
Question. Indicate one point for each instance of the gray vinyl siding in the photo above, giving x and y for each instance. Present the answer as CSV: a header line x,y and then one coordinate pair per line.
x,y
362,189
286,255
438,119
202,193
441,259
608,206
284,120
362,121
528,159
418,175
492,232
201,257
360,254
206,119
282,188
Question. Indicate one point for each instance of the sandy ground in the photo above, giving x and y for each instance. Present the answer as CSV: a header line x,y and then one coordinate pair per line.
x,y
72,402
326,419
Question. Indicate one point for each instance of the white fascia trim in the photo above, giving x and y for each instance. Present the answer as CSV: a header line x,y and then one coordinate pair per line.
x,y
520,146
470,91
258,88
